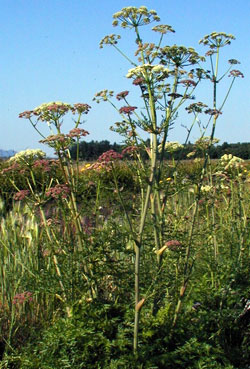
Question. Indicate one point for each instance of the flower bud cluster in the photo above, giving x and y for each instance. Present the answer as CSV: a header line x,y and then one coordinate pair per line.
x,y
103,95
217,39
204,142
163,28
132,16
109,40
179,56
196,107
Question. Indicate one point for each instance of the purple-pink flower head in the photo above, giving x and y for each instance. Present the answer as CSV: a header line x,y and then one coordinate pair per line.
x,y
122,95
20,298
110,156
130,150
77,132
173,245
188,82
26,114
127,110
21,195
59,191
138,81
81,108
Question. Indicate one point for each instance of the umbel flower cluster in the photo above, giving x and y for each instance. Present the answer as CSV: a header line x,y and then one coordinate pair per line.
x,y
131,16
54,110
229,161
27,155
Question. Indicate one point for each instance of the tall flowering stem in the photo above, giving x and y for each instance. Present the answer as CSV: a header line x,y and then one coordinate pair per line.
x,y
52,114
167,77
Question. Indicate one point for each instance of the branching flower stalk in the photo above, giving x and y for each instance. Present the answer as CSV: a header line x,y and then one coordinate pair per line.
x,y
52,113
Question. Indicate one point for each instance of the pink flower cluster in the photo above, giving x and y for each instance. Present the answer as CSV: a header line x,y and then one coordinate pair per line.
x,y
77,132
188,82
122,95
60,190
129,150
20,298
110,156
138,81
127,109
21,195
45,165
14,166
59,109
173,245
236,73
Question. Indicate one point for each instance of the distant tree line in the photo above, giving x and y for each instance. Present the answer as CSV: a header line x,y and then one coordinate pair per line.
x,y
92,150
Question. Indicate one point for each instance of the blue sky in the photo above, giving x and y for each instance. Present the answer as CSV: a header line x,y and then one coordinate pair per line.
x,y
50,52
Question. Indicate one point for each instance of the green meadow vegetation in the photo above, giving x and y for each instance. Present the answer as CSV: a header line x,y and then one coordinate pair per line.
x,y
130,261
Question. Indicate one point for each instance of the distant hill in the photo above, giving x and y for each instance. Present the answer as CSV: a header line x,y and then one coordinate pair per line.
x,y
7,153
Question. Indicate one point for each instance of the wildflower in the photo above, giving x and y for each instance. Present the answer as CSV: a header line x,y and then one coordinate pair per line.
x,y
179,56
122,95
196,107
20,298
217,39
77,132
204,142
188,82
140,71
14,166
60,190
127,109
215,112
49,111
175,95
80,108
172,245
110,156
53,139
27,155
163,29
131,16
27,114
138,81
86,166
103,95
19,196
233,61
129,150
43,165
171,146
236,73
230,161
109,40
206,188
